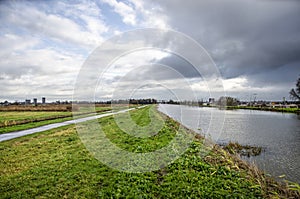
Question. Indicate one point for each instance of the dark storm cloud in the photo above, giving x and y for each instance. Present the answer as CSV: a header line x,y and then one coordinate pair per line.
x,y
181,65
249,38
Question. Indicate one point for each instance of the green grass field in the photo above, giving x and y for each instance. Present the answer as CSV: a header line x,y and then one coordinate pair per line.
x,y
55,164
27,115
285,110
20,120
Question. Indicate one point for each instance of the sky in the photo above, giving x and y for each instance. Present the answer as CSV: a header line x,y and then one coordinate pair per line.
x,y
254,45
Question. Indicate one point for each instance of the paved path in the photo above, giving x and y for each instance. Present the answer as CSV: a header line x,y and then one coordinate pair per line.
x,y
12,135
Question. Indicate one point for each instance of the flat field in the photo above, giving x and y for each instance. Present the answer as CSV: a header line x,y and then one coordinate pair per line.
x,y
29,115
20,120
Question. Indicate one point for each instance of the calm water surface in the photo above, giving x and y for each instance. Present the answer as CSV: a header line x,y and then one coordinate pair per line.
x,y
277,133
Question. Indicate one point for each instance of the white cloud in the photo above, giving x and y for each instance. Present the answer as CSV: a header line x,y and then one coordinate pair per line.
x,y
152,14
11,43
39,72
56,26
40,62
43,46
89,13
128,70
235,84
140,13
127,13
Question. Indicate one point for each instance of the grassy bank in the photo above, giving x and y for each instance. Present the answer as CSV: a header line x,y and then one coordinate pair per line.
x,y
55,164
285,110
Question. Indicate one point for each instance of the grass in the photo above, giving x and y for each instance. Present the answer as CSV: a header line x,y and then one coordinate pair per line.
x,y
45,107
31,125
285,110
16,121
11,121
55,164
24,115
16,116
243,150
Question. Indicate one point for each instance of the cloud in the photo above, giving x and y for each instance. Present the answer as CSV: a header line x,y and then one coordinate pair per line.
x,y
255,45
39,72
250,39
44,44
263,32
125,11
11,43
27,18
140,14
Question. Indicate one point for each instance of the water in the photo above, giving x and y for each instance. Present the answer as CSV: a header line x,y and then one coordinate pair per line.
x,y
277,133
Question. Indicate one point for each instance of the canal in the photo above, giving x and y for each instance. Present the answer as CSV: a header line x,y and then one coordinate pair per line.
x,y
277,133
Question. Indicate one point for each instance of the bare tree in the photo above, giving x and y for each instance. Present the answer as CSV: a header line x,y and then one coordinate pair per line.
x,y
295,93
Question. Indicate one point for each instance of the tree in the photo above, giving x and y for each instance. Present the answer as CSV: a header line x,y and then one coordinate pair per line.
x,y
227,101
295,93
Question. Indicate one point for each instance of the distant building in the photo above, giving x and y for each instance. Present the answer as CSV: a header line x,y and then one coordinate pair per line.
x,y
43,100
27,101
211,100
5,103
291,106
34,101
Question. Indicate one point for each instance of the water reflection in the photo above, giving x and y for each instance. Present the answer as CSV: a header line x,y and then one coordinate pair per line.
x,y
277,133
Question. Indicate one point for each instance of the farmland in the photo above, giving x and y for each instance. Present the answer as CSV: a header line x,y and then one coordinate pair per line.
x,y
15,118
